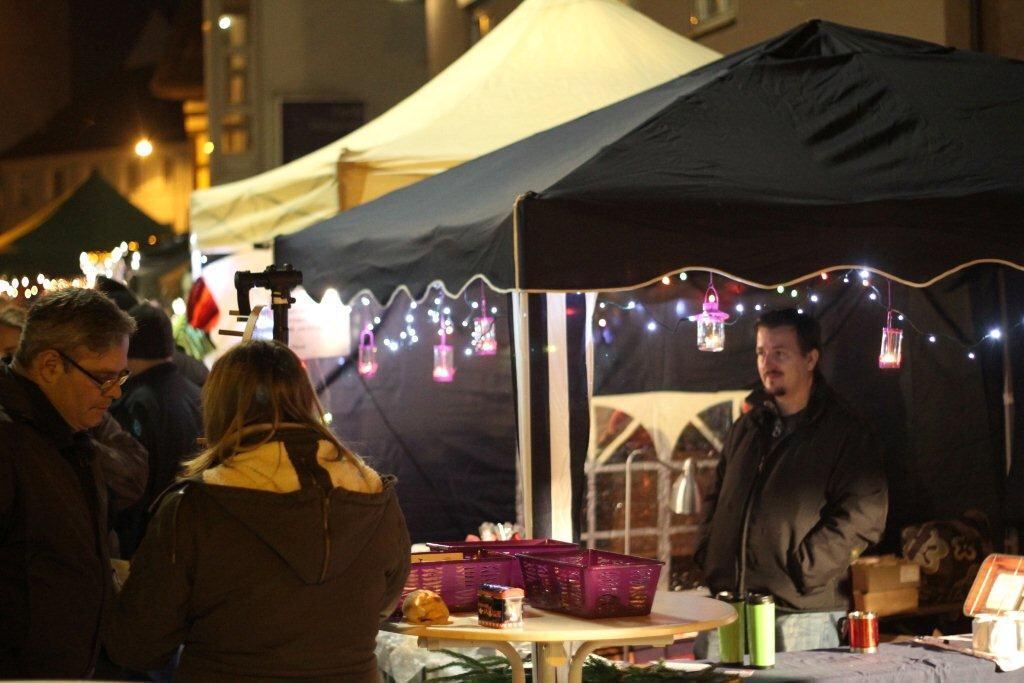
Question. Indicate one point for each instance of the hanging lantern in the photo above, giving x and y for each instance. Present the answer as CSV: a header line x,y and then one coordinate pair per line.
x,y
892,342
367,364
444,361
710,323
484,341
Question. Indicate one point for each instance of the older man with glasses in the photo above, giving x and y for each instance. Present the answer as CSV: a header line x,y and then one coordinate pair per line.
x,y
55,578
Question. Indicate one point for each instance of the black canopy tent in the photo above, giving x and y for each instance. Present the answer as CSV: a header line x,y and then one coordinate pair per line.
x,y
91,217
827,147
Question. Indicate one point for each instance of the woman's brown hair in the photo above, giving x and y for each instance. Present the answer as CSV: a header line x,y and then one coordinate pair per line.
x,y
256,385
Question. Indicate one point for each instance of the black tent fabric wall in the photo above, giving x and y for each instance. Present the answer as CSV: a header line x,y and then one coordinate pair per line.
x,y
452,446
940,417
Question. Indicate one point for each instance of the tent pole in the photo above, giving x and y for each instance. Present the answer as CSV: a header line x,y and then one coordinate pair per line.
x,y
1008,407
521,355
557,353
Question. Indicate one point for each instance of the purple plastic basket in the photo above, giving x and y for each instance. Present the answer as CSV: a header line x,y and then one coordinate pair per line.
x,y
536,546
591,583
457,581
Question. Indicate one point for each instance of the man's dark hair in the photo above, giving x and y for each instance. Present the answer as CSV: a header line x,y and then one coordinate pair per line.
x,y
70,318
808,331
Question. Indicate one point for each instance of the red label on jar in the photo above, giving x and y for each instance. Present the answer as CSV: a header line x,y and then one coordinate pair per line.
x,y
862,629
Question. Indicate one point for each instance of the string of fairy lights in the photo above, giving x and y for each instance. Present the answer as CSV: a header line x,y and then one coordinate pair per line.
x,y
712,322
483,340
113,263
475,321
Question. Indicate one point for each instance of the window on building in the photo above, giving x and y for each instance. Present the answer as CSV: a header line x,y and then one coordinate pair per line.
x,y
707,15
481,25
306,126
234,133
235,44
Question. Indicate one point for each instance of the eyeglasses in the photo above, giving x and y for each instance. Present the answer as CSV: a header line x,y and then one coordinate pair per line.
x,y
103,385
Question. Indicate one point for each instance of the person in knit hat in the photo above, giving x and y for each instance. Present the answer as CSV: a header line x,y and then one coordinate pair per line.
x,y
160,408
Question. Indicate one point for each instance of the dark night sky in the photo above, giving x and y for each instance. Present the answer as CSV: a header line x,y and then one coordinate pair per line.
x,y
103,35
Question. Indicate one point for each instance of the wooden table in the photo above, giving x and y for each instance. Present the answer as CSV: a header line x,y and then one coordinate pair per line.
x,y
674,614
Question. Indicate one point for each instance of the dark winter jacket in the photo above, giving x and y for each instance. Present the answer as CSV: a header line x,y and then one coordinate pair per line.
x,y
55,578
160,408
789,510
266,569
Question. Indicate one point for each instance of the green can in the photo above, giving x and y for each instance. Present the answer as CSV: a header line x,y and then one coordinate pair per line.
x,y
731,637
761,630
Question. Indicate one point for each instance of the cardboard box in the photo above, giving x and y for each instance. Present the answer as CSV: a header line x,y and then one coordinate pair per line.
x,y
883,603
884,573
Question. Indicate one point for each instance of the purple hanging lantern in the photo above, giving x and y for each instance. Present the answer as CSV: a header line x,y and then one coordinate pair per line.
x,y
890,356
711,322
484,341
444,360
367,363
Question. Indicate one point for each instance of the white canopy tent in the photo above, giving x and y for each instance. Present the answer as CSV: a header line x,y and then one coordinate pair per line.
x,y
548,62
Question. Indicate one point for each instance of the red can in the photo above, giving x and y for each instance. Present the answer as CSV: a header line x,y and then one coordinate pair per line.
x,y
862,631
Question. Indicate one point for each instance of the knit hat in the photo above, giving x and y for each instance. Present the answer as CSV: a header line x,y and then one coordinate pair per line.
x,y
153,337
117,292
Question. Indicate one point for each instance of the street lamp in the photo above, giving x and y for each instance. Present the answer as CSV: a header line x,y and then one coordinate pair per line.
x,y
143,148
685,496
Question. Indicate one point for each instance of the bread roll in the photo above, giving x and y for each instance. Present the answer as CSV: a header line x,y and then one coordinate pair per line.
x,y
425,608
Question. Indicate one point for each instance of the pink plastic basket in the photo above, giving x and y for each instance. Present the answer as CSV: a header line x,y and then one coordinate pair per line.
x,y
536,546
457,581
591,583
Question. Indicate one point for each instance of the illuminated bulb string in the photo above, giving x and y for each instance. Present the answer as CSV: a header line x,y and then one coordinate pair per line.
x,y
860,277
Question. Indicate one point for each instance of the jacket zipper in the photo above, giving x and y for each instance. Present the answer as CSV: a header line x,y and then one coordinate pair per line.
x,y
742,578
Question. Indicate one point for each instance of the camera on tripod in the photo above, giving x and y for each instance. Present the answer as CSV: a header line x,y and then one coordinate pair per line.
x,y
280,281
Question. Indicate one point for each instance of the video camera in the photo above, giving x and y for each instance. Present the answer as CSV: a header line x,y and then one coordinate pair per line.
x,y
280,281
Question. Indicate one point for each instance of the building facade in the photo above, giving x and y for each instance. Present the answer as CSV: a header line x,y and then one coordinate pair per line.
x,y
285,78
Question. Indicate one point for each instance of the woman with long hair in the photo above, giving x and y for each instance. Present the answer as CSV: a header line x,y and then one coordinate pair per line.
x,y
278,554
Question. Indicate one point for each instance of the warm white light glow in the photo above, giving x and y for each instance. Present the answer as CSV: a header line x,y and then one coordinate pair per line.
x,y
143,148
224,22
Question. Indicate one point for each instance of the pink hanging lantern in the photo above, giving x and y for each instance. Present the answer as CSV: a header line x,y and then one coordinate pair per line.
x,y
444,360
484,341
890,357
711,322
367,363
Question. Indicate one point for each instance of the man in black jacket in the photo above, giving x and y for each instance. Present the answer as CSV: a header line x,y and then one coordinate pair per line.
x,y
55,578
800,491
160,408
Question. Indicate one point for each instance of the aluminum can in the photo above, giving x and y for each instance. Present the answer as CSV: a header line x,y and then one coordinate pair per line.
x,y
862,631
761,630
732,637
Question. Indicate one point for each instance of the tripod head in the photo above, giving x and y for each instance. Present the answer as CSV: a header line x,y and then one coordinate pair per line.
x,y
280,281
